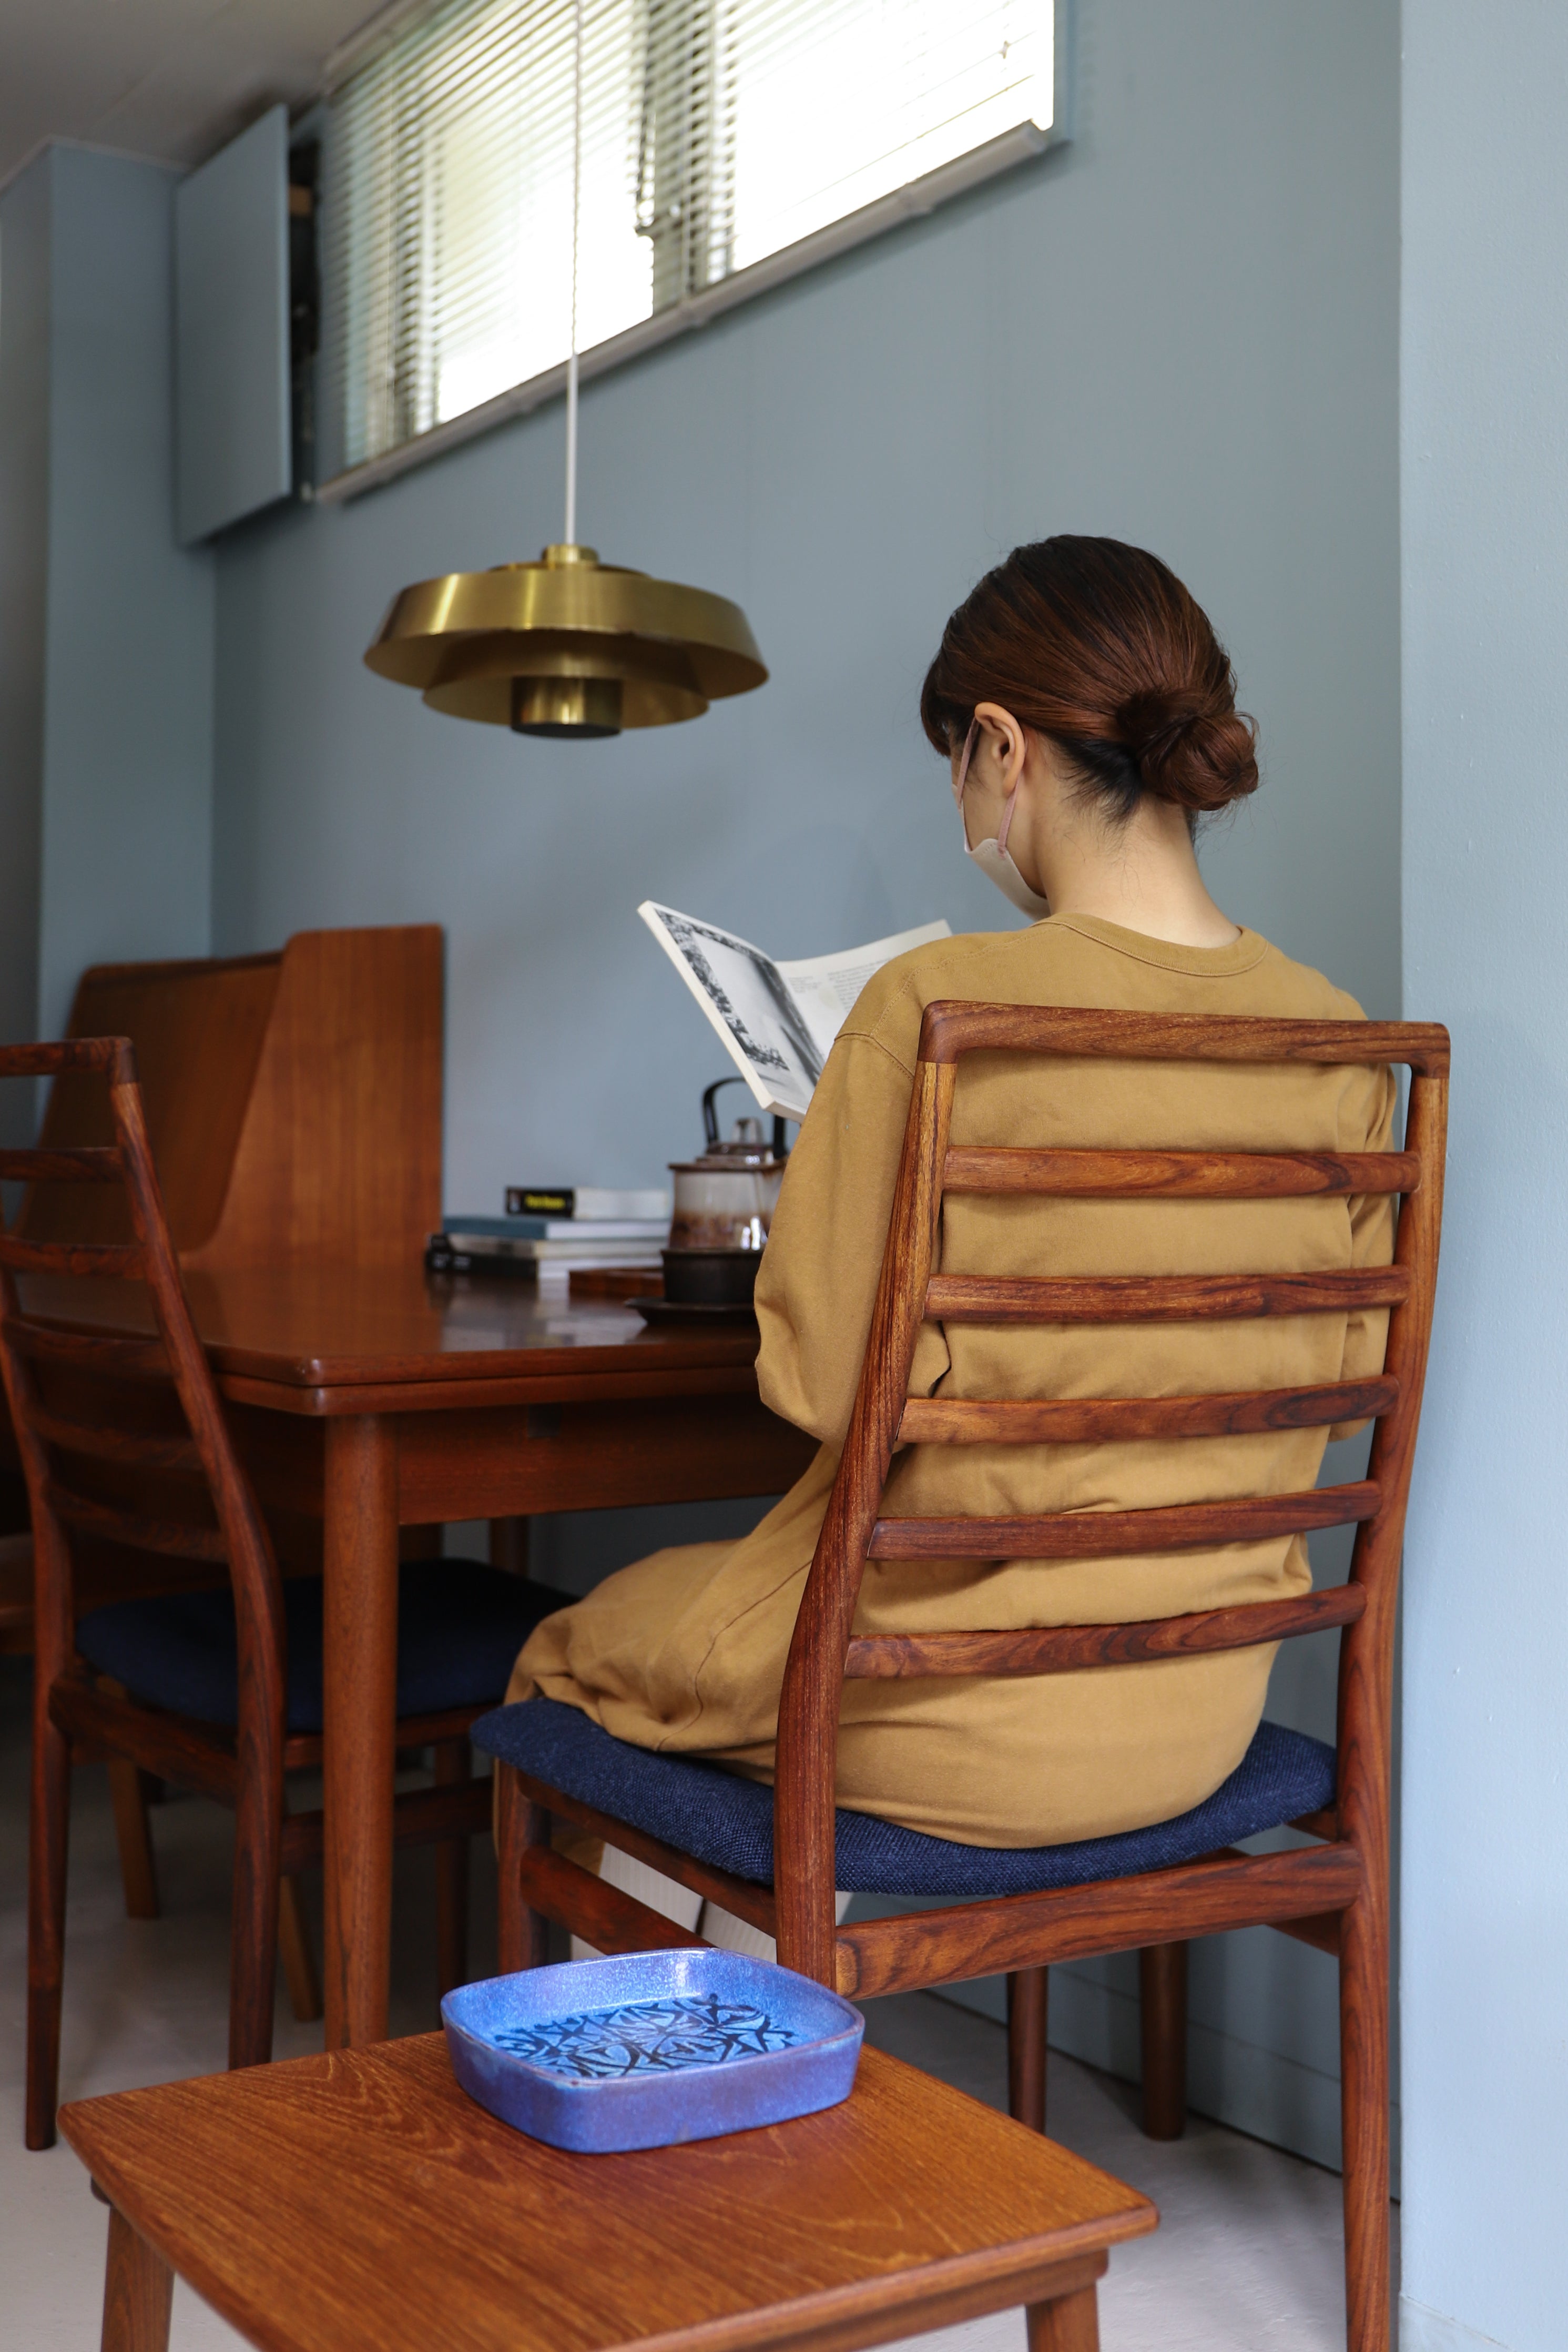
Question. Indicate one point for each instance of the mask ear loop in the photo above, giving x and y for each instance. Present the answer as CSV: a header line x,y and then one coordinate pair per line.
x,y
963,774
962,778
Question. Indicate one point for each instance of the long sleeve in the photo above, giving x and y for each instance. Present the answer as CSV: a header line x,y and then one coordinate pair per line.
x,y
817,1283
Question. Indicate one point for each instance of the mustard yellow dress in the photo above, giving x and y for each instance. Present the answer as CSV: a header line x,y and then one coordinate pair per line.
x,y
685,1651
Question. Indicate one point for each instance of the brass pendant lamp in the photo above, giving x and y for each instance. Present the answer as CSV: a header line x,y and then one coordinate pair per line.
x,y
567,646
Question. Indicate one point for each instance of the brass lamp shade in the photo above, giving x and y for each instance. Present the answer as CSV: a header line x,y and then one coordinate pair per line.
x,y
568,647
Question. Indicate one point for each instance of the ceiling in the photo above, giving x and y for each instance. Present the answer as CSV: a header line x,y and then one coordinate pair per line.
x,y
168,78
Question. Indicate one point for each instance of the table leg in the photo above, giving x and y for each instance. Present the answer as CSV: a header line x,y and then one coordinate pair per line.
x,y
1070,2324
360,1643
138,2291
509,1546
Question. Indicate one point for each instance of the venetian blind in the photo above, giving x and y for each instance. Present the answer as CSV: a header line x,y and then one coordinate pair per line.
x,y
715,134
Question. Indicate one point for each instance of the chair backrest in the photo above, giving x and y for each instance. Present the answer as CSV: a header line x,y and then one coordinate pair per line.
x,y
123,1440
824,1650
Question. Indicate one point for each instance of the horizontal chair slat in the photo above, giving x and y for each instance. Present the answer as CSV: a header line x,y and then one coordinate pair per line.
x,y
951,1029
89,1350
1069,1649
1097,1421
124,1258
1178,1175
194,1757
1072,1923
1159,1297
87,1164
1105,1535
172,1536
748,1901
611,1920
142,1449
111,1056
419,1815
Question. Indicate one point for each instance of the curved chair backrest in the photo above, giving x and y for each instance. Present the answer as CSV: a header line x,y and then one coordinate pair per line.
x,y
824,1650
124,1441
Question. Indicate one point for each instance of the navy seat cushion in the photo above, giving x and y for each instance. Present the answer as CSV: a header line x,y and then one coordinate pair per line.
x,y
460,1625
718,1818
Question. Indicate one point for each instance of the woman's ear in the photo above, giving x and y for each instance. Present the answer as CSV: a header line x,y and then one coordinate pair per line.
x,y
1002,742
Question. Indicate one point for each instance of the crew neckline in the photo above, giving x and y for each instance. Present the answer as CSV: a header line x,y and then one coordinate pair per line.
x,y
1246,950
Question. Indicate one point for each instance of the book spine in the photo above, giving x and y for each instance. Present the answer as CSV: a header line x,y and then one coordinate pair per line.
x,y
440,1257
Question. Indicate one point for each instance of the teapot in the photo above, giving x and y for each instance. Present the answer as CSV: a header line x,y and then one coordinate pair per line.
x,y
724,1198
724,1204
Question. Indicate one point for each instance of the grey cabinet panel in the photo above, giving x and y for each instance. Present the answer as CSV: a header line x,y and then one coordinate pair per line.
x,y
231,273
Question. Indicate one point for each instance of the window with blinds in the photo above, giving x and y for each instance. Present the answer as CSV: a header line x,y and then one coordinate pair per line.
x,y
723,141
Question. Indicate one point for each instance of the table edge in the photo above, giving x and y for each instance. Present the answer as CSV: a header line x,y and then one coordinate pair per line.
x,y
860,2312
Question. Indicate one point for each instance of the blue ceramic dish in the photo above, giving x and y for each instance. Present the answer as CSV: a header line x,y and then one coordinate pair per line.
x,y
651,2048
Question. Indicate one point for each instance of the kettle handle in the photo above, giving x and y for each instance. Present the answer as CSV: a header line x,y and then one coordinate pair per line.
x,y
710,1109
710,1118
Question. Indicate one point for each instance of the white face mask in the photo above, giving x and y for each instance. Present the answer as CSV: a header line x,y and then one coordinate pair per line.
x,y
992,856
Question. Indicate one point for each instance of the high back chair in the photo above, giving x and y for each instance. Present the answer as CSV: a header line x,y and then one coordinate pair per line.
x,y
124,1444
1148,1890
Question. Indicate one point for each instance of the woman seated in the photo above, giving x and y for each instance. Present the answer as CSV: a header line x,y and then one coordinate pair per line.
x,y
1088,713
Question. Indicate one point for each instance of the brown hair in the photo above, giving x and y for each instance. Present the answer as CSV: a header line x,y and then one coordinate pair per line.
x,y
1099,646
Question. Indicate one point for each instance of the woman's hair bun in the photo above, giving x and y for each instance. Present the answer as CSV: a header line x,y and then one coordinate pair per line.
x,y
1191,745
1099,646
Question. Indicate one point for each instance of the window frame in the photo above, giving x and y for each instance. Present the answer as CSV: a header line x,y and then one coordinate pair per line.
x,y
918,197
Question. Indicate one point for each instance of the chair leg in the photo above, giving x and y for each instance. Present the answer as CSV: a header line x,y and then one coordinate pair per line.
x,y
128,1788
1162,1985
297,1954
253,1924
454,1765
48,1849
522,1935
1027,1995
1363,2108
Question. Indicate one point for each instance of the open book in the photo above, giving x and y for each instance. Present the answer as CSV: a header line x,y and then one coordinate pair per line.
x,y
776,1020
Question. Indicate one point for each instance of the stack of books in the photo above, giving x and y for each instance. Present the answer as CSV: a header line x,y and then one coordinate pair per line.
x,y
549,1230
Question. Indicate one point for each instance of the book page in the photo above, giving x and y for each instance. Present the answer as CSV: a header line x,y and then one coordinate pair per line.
x,y
778,1021
745,999
825,987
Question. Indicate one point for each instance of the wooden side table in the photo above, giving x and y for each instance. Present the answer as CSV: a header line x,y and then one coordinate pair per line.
x,y
360,2199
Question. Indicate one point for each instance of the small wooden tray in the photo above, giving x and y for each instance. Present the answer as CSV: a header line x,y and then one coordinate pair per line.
x,y
616,1282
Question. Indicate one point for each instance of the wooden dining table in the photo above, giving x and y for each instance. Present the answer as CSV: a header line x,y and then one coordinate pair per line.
x,y
371,1401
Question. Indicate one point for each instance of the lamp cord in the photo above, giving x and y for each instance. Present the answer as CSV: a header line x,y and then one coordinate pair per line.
x,y
576,210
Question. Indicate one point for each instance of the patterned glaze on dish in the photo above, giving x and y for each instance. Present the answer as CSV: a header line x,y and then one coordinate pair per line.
x,y
651,2048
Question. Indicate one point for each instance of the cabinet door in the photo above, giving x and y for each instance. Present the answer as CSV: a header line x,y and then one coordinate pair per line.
x,y
231,291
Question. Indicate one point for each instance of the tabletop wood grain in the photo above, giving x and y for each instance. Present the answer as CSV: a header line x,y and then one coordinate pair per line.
x,y
361,2198
336,1327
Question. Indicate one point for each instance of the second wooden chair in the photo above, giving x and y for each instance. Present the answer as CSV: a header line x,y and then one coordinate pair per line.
x,y
125,1441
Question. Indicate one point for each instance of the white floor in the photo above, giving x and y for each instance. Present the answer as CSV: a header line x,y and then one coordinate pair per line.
x,y
1246,2257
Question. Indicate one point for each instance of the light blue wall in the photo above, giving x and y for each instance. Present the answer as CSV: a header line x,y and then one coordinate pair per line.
x,y
1485,464
1181,329
126,835
106,671
24,587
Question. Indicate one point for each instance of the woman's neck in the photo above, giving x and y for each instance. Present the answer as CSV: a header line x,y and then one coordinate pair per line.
x,y
1142,875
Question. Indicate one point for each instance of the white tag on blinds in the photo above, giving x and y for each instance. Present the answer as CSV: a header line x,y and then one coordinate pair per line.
x,y
716,134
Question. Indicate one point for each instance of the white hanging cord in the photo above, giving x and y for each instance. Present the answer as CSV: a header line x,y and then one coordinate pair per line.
x,y
576,210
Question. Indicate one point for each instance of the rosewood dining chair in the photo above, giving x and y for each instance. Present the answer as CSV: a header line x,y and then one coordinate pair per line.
x,y
776,1863
124,1442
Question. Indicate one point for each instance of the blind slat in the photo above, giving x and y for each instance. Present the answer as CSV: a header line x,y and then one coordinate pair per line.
x,y
715,133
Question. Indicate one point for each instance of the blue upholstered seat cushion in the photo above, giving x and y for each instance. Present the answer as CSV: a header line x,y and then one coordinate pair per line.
x,y
460,1625
718,1818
